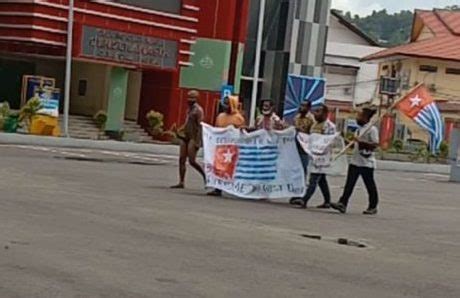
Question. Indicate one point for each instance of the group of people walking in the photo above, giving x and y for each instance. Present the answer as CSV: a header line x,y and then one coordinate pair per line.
x,y
308,120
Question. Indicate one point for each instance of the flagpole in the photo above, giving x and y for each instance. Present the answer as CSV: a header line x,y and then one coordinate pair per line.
x,y
68,67
373,122
255,82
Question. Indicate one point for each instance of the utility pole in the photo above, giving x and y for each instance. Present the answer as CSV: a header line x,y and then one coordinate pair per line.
x,y
68,67
255,82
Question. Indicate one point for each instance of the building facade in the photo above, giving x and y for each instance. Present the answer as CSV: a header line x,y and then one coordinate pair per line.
x,y
294,42
431,57
350,82
128,56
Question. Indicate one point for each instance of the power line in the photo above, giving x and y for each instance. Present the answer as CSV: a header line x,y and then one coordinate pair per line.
x,y
352,84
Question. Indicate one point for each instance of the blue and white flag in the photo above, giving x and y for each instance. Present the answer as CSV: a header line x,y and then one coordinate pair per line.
x,y
421,107
257,165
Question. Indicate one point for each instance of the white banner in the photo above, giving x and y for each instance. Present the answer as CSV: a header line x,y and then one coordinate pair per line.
x,y
257,165
321,149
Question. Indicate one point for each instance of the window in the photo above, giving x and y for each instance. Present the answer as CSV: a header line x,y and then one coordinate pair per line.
x,y
389,85
82,86
172,6
341,70
347,90
428,68
453,71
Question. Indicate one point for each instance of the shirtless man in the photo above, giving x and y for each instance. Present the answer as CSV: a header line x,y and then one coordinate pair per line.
x,y
191,141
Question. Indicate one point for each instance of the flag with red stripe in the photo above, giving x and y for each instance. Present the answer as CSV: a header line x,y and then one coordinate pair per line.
x,y
420,106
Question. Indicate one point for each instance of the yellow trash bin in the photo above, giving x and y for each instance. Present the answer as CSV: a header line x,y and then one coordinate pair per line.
x,y
45,125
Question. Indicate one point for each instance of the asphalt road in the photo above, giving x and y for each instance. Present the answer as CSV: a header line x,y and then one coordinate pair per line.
x,y
83,223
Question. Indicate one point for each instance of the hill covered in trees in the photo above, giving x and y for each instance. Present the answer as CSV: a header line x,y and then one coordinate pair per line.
x,y
387,29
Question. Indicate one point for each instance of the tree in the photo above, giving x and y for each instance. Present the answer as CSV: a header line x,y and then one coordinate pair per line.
x,y
389,29
453,7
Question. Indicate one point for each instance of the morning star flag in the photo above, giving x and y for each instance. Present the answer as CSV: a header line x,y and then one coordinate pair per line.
x,y
300,89
421,107
254,165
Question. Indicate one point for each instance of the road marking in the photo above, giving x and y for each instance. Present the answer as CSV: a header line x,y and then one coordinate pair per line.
x,y
86,153
436,175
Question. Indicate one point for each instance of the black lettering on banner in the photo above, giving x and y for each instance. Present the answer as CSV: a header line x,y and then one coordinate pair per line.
x,y
295,190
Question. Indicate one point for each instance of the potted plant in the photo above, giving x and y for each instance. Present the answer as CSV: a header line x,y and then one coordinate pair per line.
x,y
4,113
443,155
397,145
11,124
156,127
100,118
155,122
29,110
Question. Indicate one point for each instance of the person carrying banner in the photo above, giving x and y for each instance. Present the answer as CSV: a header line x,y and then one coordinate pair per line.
x,y
230,116
363,163
269,120
318,172
303,123
257,166
191,140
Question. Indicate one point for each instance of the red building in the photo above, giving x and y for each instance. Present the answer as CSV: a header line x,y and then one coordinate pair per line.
x,y
129,56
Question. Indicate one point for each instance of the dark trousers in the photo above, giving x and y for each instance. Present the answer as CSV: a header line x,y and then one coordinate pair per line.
x,y
304,158
315,180
368,177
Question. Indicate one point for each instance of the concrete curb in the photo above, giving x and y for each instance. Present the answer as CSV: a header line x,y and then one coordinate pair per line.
x,y
397,166
28,140
173,150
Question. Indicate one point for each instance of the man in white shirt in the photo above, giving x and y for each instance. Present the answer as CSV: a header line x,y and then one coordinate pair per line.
x,y
362,163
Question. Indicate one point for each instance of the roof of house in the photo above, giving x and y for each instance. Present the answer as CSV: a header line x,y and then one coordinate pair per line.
x,y
342,20
445,45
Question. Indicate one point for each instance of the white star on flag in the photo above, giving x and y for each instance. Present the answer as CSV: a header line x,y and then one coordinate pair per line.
x,y
228,156
415,101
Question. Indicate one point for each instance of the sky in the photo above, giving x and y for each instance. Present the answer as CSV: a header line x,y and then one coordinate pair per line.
x,y
365,7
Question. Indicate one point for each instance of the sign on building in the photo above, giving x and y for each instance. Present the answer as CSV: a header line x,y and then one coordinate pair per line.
x,y
128,48
227,90
49,99
210,65
30,85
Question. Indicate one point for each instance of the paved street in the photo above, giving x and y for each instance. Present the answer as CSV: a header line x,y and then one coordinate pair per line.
x,y
88,223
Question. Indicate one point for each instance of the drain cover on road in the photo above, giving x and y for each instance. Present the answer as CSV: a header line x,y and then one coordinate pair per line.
x,y
317,237
345,241
340,241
